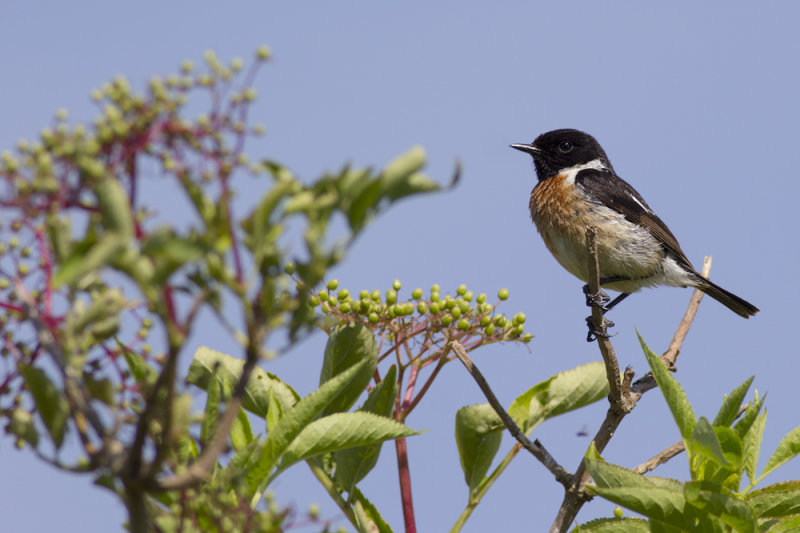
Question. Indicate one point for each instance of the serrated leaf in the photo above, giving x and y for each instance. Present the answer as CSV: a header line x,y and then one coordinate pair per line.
x,y
731,403
614,525
353,464
664,505
227,369
676,398
788,448
609,475
778,500
753,408
50,403
789,525
346,347
478,437
751,447
339,431
377,523
296,419
715,500
561,393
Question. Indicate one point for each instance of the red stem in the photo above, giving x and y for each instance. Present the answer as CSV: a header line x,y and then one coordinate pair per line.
x,y
405,485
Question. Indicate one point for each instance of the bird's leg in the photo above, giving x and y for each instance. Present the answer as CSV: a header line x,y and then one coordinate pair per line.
x,y
606,304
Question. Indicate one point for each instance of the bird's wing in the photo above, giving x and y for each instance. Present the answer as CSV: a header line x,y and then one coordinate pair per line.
x,y
615,193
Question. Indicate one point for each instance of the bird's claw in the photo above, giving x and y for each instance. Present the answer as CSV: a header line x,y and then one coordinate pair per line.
x,y
600,298
595,333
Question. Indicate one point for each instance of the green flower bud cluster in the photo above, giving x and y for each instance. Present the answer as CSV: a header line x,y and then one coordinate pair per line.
x,y
463,312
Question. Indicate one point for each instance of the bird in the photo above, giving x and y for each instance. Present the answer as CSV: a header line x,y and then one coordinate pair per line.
x,y
578,188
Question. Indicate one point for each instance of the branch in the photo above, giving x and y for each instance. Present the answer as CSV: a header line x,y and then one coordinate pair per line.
x,y
535,447
661,458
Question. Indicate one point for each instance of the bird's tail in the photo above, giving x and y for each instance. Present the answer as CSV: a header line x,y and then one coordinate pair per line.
x,y
738,305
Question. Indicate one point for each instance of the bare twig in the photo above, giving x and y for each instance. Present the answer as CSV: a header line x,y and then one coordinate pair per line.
x,y
671,355
535,447
660,458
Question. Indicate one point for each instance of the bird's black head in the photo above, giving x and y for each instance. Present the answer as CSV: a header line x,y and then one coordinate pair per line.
x,y
559,149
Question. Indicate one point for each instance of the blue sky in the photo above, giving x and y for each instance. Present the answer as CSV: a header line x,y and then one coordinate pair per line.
x,y
696,105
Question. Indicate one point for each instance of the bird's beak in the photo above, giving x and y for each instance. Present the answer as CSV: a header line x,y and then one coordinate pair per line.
x,y
527,148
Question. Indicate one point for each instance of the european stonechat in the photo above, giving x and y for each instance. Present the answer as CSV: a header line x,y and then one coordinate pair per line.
x,y
578,188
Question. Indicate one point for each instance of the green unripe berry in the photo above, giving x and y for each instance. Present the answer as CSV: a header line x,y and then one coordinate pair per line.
x,y
323,296
435,288
416,293
502,294
517,330
325,308
313,301
364,294
422,307
500,321
527,338
435,297
345,307
289,268
391,296
463,324
519,318
489,330
396,285
376,295
373,318
463,305
262,53
447,320
485,321
434,308
449,303
343,294
468,296
332,284
486,308
313,511
618,511
461,290
456,312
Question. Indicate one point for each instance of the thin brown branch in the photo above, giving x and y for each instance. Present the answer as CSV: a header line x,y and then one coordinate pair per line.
x,y
535,447
660,458
671,355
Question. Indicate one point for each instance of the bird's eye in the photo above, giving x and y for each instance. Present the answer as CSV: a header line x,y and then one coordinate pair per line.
x,y
565,146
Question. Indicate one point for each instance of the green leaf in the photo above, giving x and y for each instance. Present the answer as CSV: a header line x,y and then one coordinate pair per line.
x,y
788,448
143,373
339,431
376,521
714,499
89,256
478,437
169,251
790,525
115,207
50,402
676,398
664,505
295,419
753,408
704,442
609,475
227,369
353,464
731,403
211,412
614,525
395,176
241,432
346,347
751,447
778,500
559,394
275,413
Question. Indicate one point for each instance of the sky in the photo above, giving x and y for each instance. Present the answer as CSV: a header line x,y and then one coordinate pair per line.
x,y
695,104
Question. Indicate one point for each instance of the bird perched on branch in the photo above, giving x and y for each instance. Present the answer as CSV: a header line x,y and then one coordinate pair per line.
x,y
578,188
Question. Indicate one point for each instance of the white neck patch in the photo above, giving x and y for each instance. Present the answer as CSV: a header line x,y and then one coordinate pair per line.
x,y
571,172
